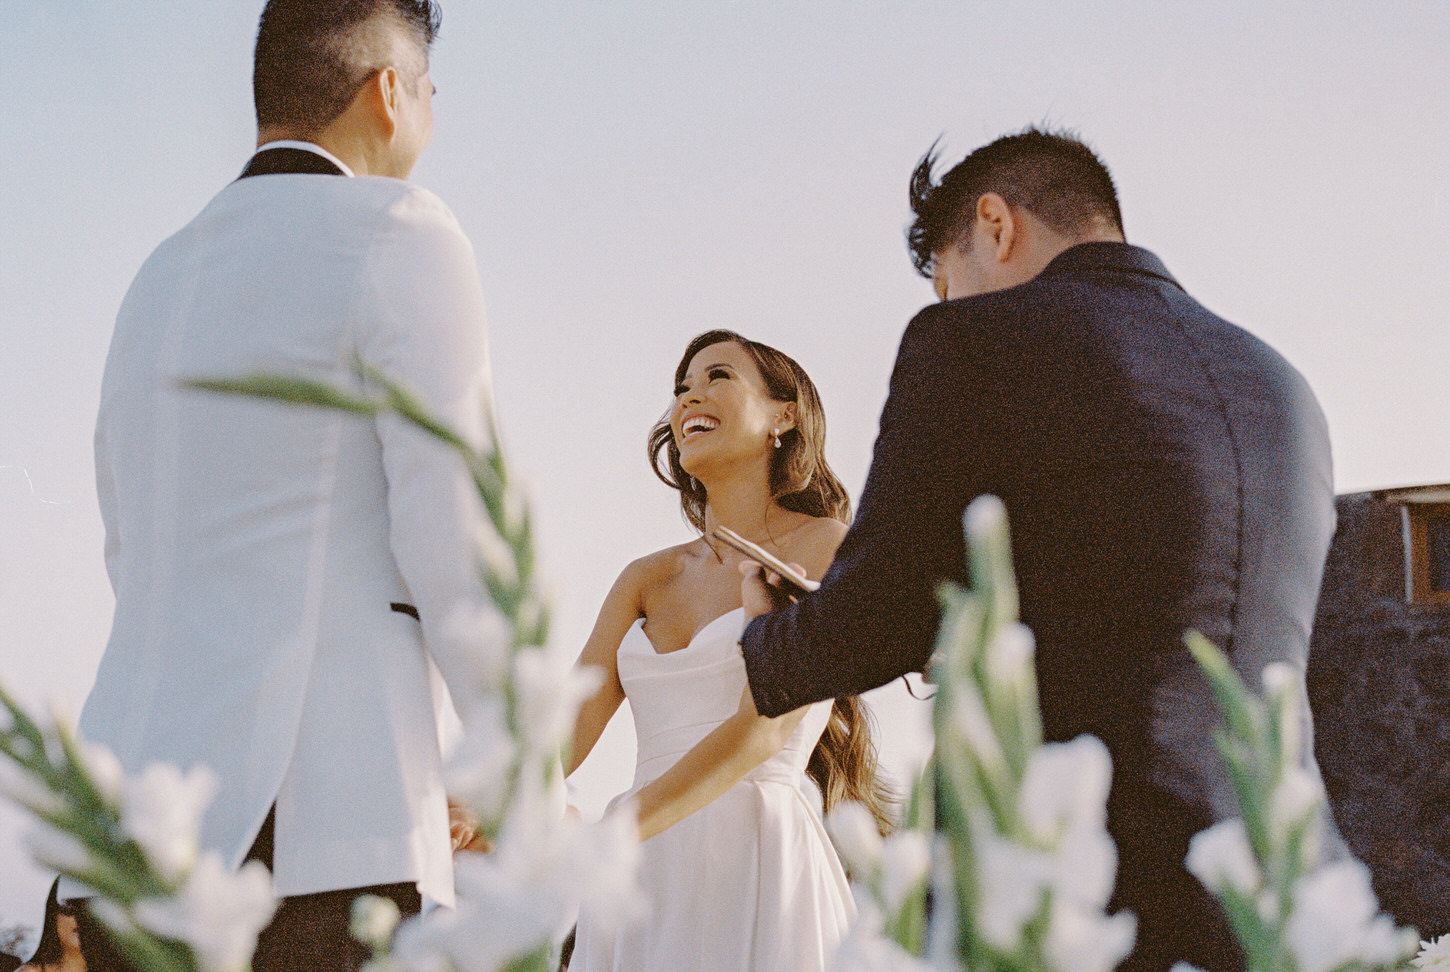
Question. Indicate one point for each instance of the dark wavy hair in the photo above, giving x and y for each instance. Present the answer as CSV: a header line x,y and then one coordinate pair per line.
x,y
800,479
1051,174
844,764
312,56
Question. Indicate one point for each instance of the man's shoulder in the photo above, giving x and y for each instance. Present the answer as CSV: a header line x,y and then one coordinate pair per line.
x,y
362,198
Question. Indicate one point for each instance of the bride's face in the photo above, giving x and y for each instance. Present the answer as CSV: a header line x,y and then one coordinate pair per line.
x,y
723,413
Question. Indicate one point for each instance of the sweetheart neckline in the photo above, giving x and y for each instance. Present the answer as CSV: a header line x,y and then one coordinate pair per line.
x,y
639,622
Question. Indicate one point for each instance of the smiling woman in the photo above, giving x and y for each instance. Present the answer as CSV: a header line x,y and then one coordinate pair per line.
x,y
735,861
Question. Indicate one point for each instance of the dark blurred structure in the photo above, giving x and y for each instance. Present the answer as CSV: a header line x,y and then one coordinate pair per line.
x,y
1379,685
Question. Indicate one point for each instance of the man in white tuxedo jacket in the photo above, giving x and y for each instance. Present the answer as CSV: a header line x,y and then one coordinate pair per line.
x,y
283,575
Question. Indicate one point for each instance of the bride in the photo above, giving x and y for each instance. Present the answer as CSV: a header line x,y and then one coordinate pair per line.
x,y
736,866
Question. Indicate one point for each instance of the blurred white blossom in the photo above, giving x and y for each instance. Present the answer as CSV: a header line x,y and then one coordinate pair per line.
x,y
478,770
1012,887
1009,657
548,691
162,812
905,864
853,832
218,912
482,637
1063,802
1336,920
524,893
1082,939
970,718
866,948
57,850
26,790
374,920
105,772
1221,857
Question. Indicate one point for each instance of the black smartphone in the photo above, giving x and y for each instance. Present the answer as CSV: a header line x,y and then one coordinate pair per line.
x,y
792,582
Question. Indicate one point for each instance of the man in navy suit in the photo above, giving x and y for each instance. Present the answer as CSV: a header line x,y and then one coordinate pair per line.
x,y
1163,470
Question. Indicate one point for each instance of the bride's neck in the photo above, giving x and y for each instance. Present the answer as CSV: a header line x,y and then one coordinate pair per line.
x,y
744,505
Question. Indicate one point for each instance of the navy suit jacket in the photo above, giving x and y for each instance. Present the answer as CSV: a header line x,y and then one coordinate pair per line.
x,y
1162,470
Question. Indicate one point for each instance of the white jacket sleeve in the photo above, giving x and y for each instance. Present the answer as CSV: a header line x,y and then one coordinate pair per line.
x,y
423,326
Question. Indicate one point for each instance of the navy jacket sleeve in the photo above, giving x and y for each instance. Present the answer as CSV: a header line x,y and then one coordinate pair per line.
x,y
876,614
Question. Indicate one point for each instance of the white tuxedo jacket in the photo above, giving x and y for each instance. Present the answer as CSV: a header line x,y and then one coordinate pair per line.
x,y
255,548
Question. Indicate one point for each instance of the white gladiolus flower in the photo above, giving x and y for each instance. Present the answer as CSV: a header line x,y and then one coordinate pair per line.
x,y
866,949
1297,794
548,691
905,863
524,894
58,850
477,771
1336,920
1083,939
218,912
984,515
970,718
162,813
853,831
1063,802
29,792
608,859
1278,677
105,772
1434,954
1222,856
1009,656
479,633
374,920
1013,880
1065,787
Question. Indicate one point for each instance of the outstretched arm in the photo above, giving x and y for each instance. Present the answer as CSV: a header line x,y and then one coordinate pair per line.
x,y
621,609
743,741
876,614
715,764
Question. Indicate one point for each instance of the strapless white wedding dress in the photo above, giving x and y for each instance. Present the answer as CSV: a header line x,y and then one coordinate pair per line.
x,y
749,883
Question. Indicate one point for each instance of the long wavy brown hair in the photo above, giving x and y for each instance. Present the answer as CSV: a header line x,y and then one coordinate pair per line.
x,y
844,764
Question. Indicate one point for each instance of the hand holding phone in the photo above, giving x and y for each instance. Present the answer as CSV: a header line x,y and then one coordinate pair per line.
x,y
792,581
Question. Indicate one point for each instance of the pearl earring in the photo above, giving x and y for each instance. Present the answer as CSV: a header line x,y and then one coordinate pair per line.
x,y
776,433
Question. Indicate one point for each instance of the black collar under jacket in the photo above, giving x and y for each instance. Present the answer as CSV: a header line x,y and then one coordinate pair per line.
x,y
288,161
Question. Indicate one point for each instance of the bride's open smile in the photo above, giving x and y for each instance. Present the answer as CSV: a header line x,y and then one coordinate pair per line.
x,y
723,410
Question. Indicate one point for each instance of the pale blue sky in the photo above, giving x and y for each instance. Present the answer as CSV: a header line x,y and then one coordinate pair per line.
x,y
634,173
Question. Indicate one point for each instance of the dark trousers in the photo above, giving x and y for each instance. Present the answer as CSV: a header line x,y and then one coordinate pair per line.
x,y
309,932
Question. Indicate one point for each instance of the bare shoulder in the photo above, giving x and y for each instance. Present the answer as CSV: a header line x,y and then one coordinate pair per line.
x,y
655,570
815,542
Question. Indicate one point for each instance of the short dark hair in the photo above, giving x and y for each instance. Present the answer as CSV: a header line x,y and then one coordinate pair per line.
x,y
1051,174
313,55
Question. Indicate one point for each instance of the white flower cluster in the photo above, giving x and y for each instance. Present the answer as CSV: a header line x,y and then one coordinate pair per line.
x,y
217,912
521,898
1287,903
1024,867
180,893
1064,857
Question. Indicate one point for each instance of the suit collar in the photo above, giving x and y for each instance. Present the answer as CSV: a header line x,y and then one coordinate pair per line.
x,y
1108,256
292,158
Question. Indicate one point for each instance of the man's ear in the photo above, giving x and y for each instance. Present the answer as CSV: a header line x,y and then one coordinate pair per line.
x,y
385,93
996,219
